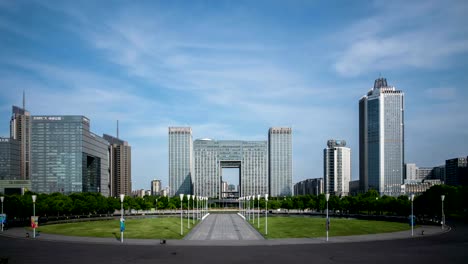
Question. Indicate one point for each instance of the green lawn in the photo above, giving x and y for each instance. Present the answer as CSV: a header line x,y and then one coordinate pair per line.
x,y
146,228
305,227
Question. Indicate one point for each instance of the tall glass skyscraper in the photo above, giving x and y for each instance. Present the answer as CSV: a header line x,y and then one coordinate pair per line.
x,y
381,139
10,159
66,157
337,167
20,130
280,161
180,160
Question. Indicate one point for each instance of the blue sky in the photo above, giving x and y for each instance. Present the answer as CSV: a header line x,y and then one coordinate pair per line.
x,y
232,69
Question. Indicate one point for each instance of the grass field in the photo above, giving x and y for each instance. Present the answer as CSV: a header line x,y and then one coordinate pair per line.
x,y
146,228
306,227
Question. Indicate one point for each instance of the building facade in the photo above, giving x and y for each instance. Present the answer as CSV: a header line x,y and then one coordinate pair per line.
x,y
20,130
381,139
456,172
309,187
211,156
155,187
66,157
120,166
180,160
337,167
280,161
10,159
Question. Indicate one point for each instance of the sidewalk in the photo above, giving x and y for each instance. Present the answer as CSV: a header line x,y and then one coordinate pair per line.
x,y
20,233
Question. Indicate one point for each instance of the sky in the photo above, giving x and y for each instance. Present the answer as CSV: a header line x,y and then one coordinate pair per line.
x,y
233,69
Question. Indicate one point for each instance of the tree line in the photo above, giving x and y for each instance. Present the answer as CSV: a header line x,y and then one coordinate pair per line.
x,y
427,204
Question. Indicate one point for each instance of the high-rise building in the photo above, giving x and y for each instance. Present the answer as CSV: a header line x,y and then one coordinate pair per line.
x,y
10,159
410,171
280,161
120,166
67,157
381,139
180,160
211,156
456,172
337,167
155,187
20,130
309,187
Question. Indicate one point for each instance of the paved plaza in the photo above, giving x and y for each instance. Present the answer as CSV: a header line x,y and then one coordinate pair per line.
x,y
224,227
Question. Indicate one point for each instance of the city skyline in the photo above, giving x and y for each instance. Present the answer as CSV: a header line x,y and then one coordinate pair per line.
x,y
228,70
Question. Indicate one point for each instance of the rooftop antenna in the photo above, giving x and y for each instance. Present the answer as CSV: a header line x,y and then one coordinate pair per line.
x,y
24,101
117,129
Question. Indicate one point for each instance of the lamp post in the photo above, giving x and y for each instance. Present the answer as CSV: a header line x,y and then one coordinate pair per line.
x,y
258,215
188,210
181,223
122,196
412,216
1,198
442,197
266,214
195,209
34,215
253,208
327,196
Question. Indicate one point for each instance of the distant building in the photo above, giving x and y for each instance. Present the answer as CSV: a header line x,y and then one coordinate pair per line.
x,y
309,187
224,189
456,171
381,139
354,187
337,167
10,159
418,186
67,157
180,160
120,155
20,130
410,171
165,192
155,187
280,161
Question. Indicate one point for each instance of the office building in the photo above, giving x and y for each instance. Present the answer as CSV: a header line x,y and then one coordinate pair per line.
x,y
180,160
249,157
337,167
155,187
10,159
410,171
381,139
354,187
120,166
456,171
20,130
418,186
280,161
67,157
309,187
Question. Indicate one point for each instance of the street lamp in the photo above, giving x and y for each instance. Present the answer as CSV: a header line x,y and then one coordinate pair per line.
x,y
188,210
442,197
412,216
327,196
122,226
3,219
34,215
266,214
181,223
193,209
258,215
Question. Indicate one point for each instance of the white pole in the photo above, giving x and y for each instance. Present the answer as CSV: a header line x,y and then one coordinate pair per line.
x,y
122,196
193,210
188,210
34,215
258,215
412,216
266,214
442,197
327,196
181,221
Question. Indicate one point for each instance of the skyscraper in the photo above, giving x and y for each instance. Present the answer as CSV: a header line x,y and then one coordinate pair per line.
x,y
20,130
180,160
456,172
280,161
10,159
337,167
66,157
155,187
120,166
381,139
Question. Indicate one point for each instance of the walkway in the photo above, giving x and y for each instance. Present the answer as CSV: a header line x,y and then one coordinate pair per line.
x,y
224,227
